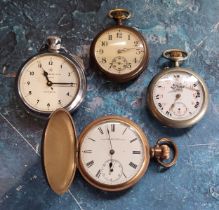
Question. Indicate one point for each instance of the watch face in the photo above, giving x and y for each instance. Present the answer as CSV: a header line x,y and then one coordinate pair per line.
x,y
112,153
178,95
119,50
48,82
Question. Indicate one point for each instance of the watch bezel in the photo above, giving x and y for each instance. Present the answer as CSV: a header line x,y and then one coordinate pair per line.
x,y
170,122
123,77
76,101
138,175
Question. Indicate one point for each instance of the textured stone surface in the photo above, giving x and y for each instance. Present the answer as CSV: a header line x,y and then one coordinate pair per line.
x,y
193,25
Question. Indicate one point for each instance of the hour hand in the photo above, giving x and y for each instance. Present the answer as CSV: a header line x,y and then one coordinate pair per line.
x,y
46,75
49,83
176,98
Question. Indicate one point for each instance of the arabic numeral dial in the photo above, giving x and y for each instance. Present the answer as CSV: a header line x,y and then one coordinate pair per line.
x,y
125,47
44,82
178,95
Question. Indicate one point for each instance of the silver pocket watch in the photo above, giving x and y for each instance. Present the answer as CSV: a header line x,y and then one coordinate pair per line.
x,y
51,79
177,97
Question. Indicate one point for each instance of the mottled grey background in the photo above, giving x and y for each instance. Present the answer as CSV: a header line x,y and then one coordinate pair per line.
x,y
193,25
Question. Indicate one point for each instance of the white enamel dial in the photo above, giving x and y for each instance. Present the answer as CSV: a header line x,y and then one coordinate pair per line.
x,y
48,82
119,51
178,95
112,153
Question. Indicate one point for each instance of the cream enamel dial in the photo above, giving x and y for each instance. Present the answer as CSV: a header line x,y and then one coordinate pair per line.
x,y
178,95
119,51
112,154
48,82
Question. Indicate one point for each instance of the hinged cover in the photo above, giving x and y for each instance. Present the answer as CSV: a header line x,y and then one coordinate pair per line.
x,y
59,151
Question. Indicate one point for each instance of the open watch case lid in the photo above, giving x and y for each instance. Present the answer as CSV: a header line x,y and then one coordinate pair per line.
x,y
60,151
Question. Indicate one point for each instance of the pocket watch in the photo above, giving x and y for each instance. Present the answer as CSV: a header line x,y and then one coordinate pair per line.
x,y
177,97
120,52
112,152
51,79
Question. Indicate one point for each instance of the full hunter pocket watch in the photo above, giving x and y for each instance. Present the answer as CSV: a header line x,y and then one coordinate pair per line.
x,y
112,153
120,52
177,97
51,79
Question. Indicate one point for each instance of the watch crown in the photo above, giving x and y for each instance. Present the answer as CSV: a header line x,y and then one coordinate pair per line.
x,y
53,42
162,151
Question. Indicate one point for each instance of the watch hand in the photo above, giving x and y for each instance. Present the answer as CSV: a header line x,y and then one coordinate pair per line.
x,y
63,83
171,107
126,49
111,166
190,88
109,138
124,174
46,75
111,151
176,98
49,83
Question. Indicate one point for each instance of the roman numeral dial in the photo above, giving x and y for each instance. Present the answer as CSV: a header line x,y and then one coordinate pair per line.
x,y
111,151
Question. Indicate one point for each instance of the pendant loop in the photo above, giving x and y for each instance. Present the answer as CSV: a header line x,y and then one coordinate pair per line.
x,y
119,14
54,43
162,150
175,55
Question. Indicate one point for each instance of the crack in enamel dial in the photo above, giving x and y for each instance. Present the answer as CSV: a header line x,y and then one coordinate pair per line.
x,y
178,95
119,51
48,82
111,154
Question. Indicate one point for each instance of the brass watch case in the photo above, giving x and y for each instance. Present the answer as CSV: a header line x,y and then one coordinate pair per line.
x,y
62,156
143,168
176,123
123,77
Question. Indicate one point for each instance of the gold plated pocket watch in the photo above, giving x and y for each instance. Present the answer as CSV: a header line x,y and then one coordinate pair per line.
x,y
112,153
51,79
177,97
120,52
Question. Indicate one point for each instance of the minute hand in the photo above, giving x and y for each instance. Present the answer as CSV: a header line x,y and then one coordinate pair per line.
x,y
127,49
63,83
